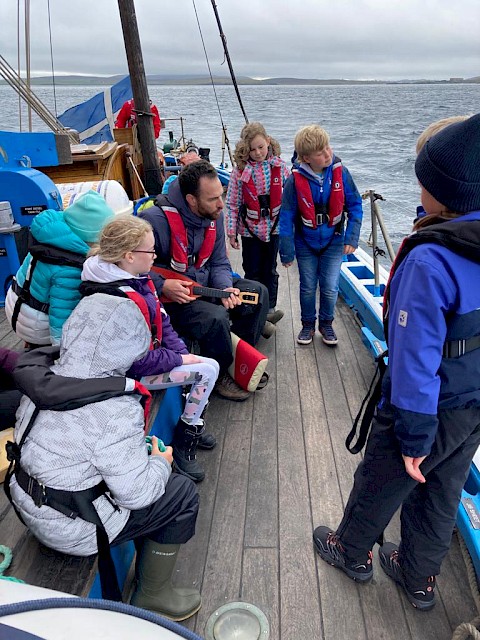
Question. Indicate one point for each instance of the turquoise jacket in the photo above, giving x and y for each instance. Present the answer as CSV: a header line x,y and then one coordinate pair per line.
x,y
57,285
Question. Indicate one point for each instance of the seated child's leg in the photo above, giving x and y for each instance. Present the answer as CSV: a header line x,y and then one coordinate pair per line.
x,y
201,377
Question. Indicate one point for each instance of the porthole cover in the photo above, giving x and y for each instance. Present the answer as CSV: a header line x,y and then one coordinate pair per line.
x,y
237,621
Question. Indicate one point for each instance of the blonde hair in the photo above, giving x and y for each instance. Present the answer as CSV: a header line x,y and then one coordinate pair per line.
x,y
120,236
247,134
310,139
434,128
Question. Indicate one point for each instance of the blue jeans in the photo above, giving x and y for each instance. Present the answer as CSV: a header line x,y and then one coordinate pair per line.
x,y
319,271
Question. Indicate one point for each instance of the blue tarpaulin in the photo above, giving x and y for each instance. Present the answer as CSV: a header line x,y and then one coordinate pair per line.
x,y
94,119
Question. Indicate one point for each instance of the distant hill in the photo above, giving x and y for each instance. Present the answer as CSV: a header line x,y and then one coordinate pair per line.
x,y
186,79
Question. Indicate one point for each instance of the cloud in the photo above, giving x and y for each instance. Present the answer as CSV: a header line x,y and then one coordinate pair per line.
x,y
302,38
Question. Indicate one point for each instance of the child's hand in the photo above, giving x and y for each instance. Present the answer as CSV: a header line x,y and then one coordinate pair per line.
x,y
287,264
234,243
412,467
347,249
167,454
189,358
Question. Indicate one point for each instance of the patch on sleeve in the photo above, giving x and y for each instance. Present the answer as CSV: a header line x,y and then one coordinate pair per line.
x,y
402,318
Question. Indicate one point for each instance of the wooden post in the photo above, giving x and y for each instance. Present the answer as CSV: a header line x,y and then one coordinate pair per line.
x,y
151,167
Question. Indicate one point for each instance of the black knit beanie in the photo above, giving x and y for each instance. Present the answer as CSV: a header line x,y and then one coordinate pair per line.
x,y
448,166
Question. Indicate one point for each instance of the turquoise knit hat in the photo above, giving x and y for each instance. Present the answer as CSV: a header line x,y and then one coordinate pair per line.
x,y
87,216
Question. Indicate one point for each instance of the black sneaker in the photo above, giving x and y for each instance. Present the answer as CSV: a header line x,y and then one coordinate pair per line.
x,y
422,594
328,334
306,334
328,545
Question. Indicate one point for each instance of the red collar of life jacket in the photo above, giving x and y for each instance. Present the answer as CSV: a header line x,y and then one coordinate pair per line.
x,y
179,242
250,195
156,326
305,201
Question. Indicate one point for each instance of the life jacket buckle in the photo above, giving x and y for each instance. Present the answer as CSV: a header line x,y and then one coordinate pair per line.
x,y
321,218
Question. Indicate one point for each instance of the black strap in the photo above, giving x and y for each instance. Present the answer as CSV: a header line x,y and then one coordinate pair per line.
x,y
28,298
371,400
458,348
71,503
243,215
26,292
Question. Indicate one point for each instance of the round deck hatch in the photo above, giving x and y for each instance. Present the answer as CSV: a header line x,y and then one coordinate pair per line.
x,y
237,621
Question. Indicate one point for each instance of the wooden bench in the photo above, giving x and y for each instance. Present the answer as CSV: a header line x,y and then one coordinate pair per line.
x,y
43,567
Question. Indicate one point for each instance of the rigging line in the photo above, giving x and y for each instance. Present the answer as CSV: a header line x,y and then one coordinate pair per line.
x,y
51,59
27,56
229,62
18,65
208,64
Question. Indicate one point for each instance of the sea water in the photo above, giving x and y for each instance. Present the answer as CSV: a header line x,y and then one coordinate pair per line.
x,y
373,128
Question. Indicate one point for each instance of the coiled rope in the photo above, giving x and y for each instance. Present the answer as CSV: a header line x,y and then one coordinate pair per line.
x,y
468,630
6,562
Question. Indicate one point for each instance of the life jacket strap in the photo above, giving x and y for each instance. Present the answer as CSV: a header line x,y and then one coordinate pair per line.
x,y
458,348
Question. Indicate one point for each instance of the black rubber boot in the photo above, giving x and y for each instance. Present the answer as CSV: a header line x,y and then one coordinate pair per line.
x,y
185,442
154,590
207,440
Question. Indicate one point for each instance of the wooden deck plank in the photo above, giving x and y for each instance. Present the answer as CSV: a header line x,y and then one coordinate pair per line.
x,y
298,583
261,524
260,584
223,566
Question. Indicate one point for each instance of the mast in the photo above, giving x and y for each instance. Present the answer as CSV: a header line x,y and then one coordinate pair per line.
x,y
229,62
131,37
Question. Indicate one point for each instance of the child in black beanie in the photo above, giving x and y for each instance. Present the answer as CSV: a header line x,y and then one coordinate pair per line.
x,y
427,423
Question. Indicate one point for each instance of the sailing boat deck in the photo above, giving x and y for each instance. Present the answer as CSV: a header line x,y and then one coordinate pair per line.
x,y
279,469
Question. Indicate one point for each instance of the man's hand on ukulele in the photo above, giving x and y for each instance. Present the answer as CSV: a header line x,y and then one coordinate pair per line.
x,y
233,300
177,291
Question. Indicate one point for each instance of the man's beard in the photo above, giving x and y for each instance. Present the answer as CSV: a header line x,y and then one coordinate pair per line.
x,y
210,216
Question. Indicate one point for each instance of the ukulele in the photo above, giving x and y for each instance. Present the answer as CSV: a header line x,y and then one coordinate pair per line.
x,y
196,290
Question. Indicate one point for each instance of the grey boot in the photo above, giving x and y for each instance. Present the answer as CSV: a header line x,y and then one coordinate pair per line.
x,y
185,442
154,590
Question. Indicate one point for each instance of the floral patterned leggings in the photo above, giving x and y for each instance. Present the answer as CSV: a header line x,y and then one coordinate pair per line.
x,y
201,377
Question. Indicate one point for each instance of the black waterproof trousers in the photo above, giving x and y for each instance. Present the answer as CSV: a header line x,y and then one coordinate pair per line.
x,y
259,261
428,510
169,520
208,323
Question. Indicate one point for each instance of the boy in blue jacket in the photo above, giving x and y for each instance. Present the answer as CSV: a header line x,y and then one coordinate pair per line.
x,y
317,199
426,427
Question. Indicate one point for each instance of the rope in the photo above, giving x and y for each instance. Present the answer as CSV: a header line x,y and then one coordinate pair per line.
x,y
6,562
129,157
469,629
103,605
208,64
51,58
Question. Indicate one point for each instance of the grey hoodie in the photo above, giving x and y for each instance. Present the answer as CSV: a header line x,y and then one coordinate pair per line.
x,y
75,450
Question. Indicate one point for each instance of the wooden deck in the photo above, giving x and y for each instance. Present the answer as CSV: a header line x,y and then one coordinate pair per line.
x,y
279,469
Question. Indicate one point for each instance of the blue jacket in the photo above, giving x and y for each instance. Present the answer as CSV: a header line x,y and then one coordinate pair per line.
x,y
435,296
216,272
294,234
56,285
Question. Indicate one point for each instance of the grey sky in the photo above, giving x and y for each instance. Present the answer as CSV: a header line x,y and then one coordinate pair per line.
x,y
354,39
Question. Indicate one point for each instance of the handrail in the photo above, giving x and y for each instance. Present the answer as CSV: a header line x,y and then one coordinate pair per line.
x,y
377,216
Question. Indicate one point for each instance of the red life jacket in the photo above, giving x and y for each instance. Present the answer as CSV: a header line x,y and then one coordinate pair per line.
x,y
305,202
156,327
179,241
250,196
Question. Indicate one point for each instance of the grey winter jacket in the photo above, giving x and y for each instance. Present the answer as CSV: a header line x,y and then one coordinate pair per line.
x,y
76,449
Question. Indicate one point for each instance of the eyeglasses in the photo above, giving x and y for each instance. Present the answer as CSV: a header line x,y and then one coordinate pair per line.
x,y
153,253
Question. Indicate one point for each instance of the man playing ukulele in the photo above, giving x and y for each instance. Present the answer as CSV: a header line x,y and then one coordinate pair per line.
x,y
190,239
